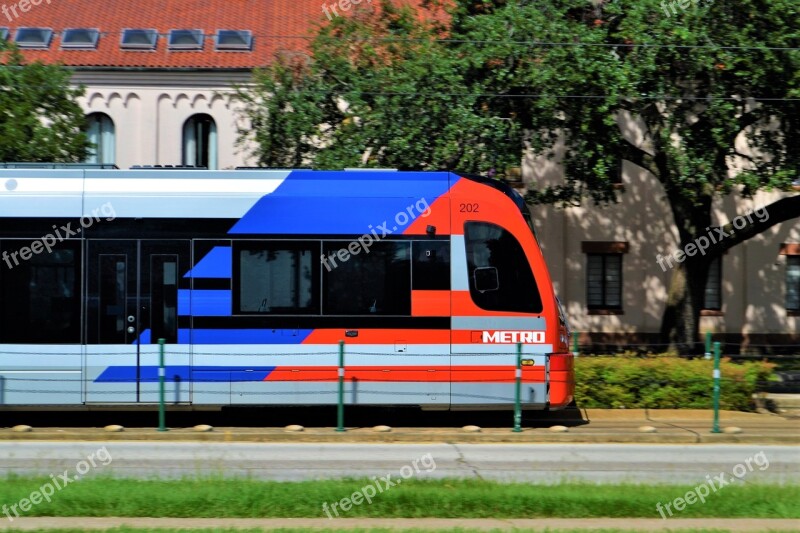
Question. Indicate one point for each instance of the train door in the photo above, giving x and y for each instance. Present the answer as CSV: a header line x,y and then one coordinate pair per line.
x,y
496,304
133,289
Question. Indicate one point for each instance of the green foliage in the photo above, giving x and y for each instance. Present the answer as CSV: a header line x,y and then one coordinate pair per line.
x,y
388,86
381,90
664,382
40,119
691,93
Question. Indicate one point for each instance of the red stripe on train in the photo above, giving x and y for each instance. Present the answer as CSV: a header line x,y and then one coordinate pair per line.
x,y
456,374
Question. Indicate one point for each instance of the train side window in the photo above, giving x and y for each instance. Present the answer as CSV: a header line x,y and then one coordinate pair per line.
x,y
41,293
164,297
431,268
500,277
374,281
276,278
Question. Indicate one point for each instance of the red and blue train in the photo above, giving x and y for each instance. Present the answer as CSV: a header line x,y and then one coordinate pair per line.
x,y
253,277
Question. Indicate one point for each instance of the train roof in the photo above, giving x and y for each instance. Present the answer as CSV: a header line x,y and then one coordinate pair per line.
x,y
229,194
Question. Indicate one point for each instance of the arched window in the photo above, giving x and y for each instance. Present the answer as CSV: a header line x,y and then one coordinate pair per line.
x,y
200,142
101,134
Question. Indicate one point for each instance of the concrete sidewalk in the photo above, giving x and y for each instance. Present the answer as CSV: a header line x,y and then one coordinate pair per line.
x,y
664,426
431,524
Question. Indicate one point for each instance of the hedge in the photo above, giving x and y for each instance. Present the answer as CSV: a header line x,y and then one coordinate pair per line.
x,y
665,382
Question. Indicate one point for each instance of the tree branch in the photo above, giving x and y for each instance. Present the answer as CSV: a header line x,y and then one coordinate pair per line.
x,y
779,211
639,157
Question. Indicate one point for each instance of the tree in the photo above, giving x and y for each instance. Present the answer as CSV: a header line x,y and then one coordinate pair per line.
x,y
40,119
380,89
502,77
697,80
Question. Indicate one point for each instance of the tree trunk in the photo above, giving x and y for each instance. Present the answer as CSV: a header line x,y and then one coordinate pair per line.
x,y
681,321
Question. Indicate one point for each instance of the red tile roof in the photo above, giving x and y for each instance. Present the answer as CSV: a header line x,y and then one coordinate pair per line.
x,y
277,25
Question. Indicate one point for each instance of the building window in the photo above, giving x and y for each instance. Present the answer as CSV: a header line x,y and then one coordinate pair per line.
x,y
101,134
604,276
616,172
200,142
712,299
33,37
793,283
80,38
139,39
604,281
185,40
234,40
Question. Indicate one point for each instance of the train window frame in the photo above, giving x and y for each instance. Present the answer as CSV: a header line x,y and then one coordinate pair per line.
x,y
312,246
71,306
437,281
520,293
331,250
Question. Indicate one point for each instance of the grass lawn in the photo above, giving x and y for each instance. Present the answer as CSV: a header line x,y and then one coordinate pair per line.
x,y
221,498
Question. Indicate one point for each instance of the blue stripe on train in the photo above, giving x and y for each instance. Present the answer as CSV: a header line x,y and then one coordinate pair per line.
x,y
204,302
249,336
215,264
305,203
236,336
197,374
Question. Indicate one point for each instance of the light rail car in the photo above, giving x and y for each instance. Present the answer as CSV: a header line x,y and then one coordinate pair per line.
x,y
253,277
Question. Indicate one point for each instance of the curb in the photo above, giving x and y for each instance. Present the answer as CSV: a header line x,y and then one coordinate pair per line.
x,y
611,426
367,436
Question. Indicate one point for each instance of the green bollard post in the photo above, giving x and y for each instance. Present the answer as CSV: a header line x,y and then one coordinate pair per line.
x,y
340,406
716,374
708,345
575,344
162,374
517,392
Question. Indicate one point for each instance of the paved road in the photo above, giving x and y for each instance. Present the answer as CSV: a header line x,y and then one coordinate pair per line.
x,y
543,463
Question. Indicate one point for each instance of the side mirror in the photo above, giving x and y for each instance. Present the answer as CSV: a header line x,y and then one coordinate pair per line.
x,y
486,279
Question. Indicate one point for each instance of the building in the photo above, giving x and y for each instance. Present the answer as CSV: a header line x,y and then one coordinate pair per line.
x,y
610,269
158,75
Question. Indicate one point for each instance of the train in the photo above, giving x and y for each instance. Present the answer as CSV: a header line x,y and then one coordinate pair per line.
x,y
426,286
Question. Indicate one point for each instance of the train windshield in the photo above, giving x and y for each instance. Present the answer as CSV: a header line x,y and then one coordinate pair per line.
x,y
500,278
